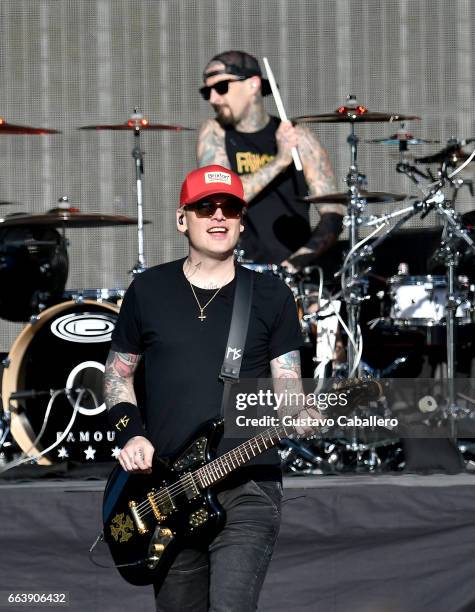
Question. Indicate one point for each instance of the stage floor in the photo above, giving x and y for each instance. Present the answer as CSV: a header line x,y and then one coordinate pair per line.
x,y
369,543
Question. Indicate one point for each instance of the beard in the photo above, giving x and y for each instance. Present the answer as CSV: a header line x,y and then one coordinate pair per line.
x,y
224,116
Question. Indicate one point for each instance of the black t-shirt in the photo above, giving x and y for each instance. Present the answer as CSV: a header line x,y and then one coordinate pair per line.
x,y
277,224
183,355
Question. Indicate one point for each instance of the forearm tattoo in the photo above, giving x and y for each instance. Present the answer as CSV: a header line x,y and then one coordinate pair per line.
x,y
317,167
255,182
211,149
119,378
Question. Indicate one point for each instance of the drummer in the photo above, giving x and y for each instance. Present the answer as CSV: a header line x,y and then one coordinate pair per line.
x,y
243,136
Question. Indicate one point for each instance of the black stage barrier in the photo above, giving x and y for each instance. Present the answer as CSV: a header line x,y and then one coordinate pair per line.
x,y
382,543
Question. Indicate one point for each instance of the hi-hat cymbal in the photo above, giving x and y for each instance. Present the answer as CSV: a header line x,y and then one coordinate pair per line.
x,y
11,128
64,218
372,197
401,137
137,125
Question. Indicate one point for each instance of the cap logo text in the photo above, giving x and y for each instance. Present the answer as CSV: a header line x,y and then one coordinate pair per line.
x,y
218,177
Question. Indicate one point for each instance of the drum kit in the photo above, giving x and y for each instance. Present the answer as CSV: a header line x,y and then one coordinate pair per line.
x,y
54,367
440,303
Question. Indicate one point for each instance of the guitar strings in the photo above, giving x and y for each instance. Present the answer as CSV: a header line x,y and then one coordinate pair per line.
x,y
174,489
145,507
225,461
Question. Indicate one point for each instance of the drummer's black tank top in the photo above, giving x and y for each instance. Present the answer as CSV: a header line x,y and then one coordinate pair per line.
x,y
277,224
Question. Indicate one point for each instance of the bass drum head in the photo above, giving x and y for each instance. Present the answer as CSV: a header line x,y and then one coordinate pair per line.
x,y
66,348
33,270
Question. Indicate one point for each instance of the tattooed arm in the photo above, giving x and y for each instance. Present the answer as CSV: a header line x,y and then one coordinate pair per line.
x,y
317,168
211,149
136,456
119,378
320,179
287,377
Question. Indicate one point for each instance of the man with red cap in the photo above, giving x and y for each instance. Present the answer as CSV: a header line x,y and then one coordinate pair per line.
x,y
257,146
176,318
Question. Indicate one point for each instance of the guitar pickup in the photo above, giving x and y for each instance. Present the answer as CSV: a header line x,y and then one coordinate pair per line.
x,y
153,503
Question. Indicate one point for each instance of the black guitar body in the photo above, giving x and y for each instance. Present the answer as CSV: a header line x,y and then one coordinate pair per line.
x,y
170,513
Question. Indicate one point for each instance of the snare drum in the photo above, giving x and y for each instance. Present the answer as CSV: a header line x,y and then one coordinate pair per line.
x,y
65,348
420,301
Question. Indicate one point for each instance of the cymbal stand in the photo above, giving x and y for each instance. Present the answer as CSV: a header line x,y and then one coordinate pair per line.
x,y
449,253
353,289
137,120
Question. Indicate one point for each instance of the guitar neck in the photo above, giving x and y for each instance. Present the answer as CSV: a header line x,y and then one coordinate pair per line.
x,y
220,468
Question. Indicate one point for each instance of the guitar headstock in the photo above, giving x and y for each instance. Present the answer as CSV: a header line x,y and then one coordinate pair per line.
x,y
358,391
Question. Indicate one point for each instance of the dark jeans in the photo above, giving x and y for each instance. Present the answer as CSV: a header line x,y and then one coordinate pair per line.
x,y
229,577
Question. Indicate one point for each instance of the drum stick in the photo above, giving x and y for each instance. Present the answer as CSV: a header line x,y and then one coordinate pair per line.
x,y
281,109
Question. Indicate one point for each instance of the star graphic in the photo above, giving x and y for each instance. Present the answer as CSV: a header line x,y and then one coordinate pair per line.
x,y
115,452
62,453
89,452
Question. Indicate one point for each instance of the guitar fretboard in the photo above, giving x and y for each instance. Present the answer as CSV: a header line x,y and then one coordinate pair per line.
x,y
222,466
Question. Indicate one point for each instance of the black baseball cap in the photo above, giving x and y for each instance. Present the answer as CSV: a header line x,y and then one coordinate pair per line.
x,y
241,64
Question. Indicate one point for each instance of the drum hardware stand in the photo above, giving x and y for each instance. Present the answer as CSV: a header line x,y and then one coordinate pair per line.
x,y
137,119
353,290
449,254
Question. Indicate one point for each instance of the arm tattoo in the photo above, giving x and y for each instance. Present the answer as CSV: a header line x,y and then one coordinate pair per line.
x,y
287,379
286,366
119,378
210,148
316,164
254,183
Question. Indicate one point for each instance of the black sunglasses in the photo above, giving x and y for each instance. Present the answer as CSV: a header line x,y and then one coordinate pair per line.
x,y
221,87
231,209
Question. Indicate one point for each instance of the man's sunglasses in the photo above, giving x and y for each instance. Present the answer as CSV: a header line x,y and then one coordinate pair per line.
x,y
230,209
221,87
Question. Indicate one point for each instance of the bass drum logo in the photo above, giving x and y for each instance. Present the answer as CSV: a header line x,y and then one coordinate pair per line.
x,y
84,327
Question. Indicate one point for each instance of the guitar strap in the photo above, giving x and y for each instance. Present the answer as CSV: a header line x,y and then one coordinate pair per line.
x,y
234,352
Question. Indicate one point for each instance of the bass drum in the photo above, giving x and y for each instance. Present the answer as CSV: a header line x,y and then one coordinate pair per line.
x,y
33,270
66,348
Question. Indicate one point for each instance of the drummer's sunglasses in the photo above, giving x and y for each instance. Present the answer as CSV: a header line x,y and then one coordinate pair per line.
x,y
231,209
221,87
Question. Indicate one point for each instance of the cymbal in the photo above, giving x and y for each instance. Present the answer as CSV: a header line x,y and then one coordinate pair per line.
x,y
401,137
372,197
64,218
350,114
11,128
452,155
137,125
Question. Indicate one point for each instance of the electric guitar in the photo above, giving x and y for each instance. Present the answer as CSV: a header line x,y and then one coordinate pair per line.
x,y
149,518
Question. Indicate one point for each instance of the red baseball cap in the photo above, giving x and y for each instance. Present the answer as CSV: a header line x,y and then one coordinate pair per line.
x,y
208,181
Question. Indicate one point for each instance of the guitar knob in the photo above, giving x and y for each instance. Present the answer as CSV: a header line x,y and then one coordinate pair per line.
x,y
167,533
158,548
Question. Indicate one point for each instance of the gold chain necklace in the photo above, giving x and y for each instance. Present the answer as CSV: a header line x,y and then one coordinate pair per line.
x,y
202,316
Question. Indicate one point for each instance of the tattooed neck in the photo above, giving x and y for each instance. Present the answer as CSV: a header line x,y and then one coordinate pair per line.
x,y
191,267
256,119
